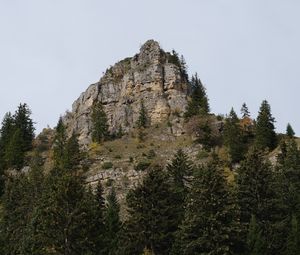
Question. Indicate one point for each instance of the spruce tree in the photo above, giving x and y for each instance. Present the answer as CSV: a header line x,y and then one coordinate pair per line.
x,y
198,105
265,129
210,225
59,147
233,139
99,123
289,131
20,199
293,239
288,166
183,68
142,121
16,136
180,171
65,216
245,111
288,184
99,220
256,194
72,153
112,223
6,133
14,214
151,216
24,123
255,241
15,151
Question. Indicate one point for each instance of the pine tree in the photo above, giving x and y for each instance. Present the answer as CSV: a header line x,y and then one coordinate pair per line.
x,y
14,214
6,133
183,68
99,123
293,240
233,139
112,223
210,224
15,151
245,111
180,171
288,184
151,216
255,241
72,153
65,215
265,129
289,131
198,105
24,123
99,218
256,194
289,177
16,136
142,121
60,141
19,204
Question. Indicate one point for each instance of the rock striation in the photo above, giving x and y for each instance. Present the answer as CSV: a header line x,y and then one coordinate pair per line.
x,y
152,75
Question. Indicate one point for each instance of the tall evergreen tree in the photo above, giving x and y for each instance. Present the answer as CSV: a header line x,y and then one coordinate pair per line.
x,y
65,217
256,194
112,223
60,141
245,111
180,171
14,214
255,241
183,68
198,105
288,183
72,153
24,123
99,123
6,134
289,131
16,136
211,224
152,217
293,239
233,139
142,121
15,151
265,129
19,204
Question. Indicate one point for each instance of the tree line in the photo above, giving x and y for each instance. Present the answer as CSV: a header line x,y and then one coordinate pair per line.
x,y
179,209
182,208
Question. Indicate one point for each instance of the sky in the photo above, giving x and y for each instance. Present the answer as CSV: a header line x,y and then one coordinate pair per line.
x,y
243,50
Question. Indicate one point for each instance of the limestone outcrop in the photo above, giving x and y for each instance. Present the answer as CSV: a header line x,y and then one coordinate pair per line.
x,y
152,75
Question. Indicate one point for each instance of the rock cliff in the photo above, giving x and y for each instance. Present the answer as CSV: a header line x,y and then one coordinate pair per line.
x,y
152,75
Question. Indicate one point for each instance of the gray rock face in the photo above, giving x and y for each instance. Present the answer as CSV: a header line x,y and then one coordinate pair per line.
x,y
149,76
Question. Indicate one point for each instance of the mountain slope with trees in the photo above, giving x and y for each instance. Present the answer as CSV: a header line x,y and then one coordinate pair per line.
x,y
153,176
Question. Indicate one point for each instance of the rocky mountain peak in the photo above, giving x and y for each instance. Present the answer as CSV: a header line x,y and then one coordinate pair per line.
x,y
152,75
150,52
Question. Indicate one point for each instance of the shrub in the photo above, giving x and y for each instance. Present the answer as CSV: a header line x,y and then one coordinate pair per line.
x,y
131,159
151,154
107,165
109,182
142,165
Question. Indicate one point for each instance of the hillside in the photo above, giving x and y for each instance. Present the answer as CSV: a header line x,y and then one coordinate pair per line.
x,y
141,166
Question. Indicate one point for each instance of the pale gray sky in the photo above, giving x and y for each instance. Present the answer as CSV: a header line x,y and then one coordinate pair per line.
x,y
243,50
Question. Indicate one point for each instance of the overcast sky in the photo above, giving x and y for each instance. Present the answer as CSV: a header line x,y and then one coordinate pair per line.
x,y
243,50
